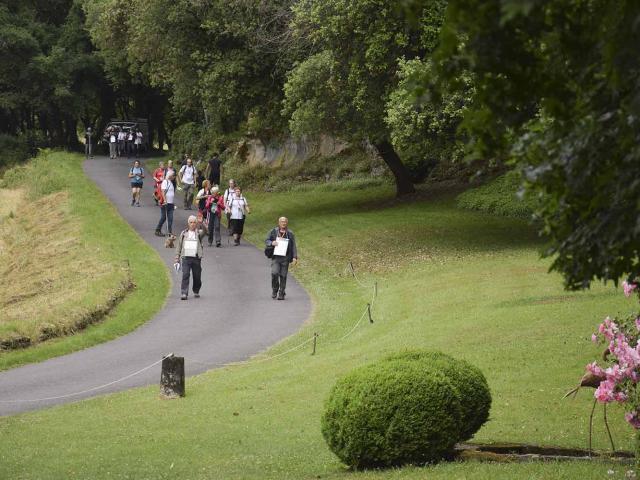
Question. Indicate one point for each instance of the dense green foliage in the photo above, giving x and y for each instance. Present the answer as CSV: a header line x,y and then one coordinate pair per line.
x,y
392,412
556,90
500,196
471,385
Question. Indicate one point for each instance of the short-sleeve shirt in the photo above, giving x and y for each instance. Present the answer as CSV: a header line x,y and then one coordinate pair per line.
x,y
137,174
188,172
214,166
168,190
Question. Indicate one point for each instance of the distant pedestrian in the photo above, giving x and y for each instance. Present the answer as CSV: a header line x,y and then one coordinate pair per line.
x,y
121,142
189,253
238,207
214,207
187,178
167,200
282,257
113,145
201,198
136,176
129,140
171,168
138,143
88,143
214,170
228,194
158,177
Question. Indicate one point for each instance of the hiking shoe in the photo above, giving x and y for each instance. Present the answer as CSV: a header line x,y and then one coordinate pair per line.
x,y
159,233
280,295
274,294
210,244
218,244
137,204
183,296
197,295
133,202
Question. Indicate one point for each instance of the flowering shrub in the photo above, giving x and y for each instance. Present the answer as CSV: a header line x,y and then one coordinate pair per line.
x,y
620,374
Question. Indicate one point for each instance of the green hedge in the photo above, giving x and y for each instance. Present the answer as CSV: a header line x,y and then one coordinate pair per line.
x,y
407,408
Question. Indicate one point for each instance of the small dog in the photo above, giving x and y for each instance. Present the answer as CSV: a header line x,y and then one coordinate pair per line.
x,y
168,242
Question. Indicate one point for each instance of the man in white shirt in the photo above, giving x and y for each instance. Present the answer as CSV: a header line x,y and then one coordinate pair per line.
x,y
189,254
121,142
228,194
187,177
112,143
166,201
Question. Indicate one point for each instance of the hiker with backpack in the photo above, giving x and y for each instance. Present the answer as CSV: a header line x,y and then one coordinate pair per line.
x,y
281,248
187,178
214,208
166,202
136,174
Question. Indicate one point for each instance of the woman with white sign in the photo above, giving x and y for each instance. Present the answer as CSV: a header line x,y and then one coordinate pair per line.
x,y
189,256
238,207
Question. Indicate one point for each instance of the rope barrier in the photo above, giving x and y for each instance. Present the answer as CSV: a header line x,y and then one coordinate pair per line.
x,y
314,338
89,390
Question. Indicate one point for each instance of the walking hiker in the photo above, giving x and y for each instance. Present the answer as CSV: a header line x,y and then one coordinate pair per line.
x,y
113,138
121,142
136,174
129,144
187,178
138,142
214,170
228,193
158,177
88,145
214,207
189,255
238,207
167,197
285,252
171,168
201,198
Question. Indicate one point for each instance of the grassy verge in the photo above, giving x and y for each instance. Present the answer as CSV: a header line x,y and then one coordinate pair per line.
x,y
64,258
500,197
466,283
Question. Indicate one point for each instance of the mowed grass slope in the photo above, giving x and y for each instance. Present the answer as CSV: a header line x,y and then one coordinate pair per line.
x,y
469,284
65,258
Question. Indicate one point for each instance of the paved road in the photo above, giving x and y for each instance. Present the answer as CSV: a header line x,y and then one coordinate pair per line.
x,y
234,318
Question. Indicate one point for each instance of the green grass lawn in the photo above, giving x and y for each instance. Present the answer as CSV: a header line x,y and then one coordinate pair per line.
x,y
467,283
105,239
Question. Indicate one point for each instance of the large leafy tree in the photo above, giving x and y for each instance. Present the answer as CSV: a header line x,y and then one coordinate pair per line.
x,y
557,90
344,84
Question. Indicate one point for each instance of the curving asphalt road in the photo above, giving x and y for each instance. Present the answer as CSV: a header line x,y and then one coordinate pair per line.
x,y
234,319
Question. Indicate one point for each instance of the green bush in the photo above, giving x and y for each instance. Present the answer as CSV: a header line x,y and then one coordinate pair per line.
x,y
13,150
411,407
499,197
391,413
471,384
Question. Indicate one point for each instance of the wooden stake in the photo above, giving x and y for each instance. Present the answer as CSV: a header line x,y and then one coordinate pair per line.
x,y
369,312
315,341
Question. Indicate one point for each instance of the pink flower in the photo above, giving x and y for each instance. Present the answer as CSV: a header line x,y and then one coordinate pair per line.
x,y
632,418
594,337
638,323
615,373
595,370
605,392
620,397
608,328
628,288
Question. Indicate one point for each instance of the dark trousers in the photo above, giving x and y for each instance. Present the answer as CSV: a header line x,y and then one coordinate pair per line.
x,y
279,270
191,264
166,214
214,228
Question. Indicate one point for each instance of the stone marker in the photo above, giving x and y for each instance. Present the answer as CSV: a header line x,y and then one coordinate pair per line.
x,y
172,377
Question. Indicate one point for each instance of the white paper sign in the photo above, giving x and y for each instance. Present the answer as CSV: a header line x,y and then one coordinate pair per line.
x,y
190,248
281,247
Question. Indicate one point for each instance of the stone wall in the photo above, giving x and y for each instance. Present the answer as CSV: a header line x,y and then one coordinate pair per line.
x,y
291,151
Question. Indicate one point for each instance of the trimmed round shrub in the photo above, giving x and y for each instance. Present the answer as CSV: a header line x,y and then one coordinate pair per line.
x,y
411,407
392,413
472,386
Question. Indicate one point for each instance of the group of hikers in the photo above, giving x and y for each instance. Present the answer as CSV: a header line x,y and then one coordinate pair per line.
x,y
199,184
123,141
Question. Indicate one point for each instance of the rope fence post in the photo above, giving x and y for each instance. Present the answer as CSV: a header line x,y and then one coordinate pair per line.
x,y
315,342
172,377
375,289
369,312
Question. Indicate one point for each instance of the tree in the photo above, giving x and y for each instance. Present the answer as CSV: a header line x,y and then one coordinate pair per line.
x,y
556,90
344,84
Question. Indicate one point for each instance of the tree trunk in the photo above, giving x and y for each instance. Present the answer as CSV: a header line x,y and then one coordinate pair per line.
x,y
404,185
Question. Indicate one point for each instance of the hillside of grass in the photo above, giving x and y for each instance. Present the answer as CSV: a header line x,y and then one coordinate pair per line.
x,y
500,196
466,283
66,281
